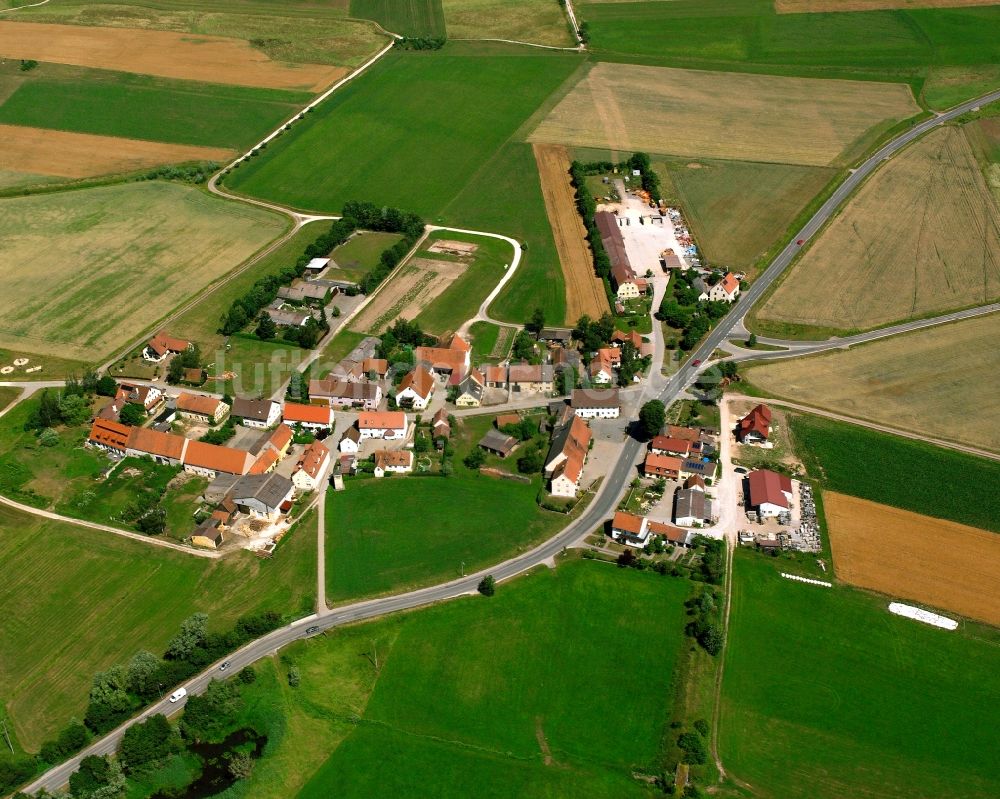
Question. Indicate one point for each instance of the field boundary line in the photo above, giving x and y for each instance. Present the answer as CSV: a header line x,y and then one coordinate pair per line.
x,y
877,426
18,8
576,49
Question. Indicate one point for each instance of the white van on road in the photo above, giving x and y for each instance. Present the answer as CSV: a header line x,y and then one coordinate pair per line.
x,y
178,695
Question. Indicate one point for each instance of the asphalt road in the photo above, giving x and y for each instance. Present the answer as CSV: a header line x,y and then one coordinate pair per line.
x,y
600,508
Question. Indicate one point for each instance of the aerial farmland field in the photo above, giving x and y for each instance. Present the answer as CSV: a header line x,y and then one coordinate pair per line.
x,y
109,597
407,18
441,115
918,558
941,254
911,45
826,695
146,247
535,21
774,119
914,381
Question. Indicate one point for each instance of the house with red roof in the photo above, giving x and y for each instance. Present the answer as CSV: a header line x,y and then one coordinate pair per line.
x,y
309,417
755,427
726,290
665,466
770,493
161,345
311,466
416,389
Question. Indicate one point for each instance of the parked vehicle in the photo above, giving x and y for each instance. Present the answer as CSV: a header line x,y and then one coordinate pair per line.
x,y
178,695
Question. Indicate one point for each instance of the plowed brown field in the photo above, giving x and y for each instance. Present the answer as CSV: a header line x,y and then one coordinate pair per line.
x,y
584,291
215,59
81,155
909,556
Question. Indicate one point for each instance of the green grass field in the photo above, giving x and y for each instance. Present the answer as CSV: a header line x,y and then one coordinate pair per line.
x,y
535,21
896,471
260,366
470,695
146,248
748,35
826,694
505,196
74,601
407,18
439,117
142,107
460,301
484,337
738,209
360,253
399,532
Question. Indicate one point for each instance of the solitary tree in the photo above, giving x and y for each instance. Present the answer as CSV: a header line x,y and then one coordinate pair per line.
x,y
652,417
266,329
752,341
487,586
536,322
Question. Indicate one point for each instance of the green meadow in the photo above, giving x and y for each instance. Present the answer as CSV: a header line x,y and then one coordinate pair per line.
x,y
527,693
408,18
360,254
424,122
74,601
143,107
826,695
905,45
896,471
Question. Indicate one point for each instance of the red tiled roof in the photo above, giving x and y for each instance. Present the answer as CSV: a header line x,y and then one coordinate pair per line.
x,y
455,360
295,412
668,444
767,486
757,421
217,458
313,458
198,403
420,380
109,433
393,457
381,420
627,522
730,283
267,459
684,433
281,437
459,343
161,344
378,365
661,464
153,442
496,374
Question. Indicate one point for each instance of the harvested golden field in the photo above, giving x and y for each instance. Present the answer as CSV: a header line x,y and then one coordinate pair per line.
x,y
692,113
908,556
84,273
214,59
411,290
921,236
822,6
57,153
584,291
535,21
922,381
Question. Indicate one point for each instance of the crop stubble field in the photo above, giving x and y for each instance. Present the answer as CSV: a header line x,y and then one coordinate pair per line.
x,y
584,290
413,288
214,59
535,21
912,557
115,264
723,115
930,380
921,237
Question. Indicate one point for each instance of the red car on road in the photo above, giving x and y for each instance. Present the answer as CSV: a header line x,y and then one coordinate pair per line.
x,y
696,363
800,242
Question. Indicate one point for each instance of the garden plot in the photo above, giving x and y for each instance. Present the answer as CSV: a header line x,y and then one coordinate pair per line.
x,y
415,287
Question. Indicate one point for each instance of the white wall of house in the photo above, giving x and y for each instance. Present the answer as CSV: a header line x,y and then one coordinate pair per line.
x,y
598,413
408,394
562,486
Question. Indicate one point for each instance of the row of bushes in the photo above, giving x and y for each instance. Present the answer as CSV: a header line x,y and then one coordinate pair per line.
x,y
586,206
420,42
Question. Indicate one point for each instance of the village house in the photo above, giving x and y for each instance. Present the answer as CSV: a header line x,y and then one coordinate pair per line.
x,y
769,493
349,370
470,390
311,466
566,456
305,292
530,377
726,290
416,389
350,442
375,368
164,448
285,318
695,483
755,427
691,507
591,403
210,460
201,408
691,466
498,443
454,358
318,264
161,345
345,394
665,445
260,413
440,426
601,371
665,466
149,397
496,376
623,278
399,461
263,496
308,417
554,335
109,435
388,425
270,449
638,531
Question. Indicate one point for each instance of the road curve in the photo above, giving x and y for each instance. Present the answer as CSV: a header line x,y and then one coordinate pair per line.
x,y
593,516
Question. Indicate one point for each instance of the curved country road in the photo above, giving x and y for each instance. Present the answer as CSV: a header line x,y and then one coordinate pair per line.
x,y
595,514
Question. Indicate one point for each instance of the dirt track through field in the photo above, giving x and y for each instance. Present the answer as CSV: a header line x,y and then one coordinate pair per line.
x,y
908,556
584,291
186,56
81,155
822,6
415,287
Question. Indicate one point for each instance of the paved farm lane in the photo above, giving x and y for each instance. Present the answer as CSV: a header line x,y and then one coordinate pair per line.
x,y
595,514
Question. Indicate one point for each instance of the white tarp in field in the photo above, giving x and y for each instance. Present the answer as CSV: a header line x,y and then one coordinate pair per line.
x,y
925,616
